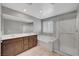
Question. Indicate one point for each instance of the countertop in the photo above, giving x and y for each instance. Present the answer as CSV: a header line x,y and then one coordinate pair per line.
x,y
5,37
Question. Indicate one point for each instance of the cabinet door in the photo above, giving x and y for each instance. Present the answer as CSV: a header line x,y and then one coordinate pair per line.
x,y
30,42
12,47
18,46
7,50
25,43
34,40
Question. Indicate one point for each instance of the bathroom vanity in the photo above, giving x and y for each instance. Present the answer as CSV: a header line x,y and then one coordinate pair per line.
x,y
13,45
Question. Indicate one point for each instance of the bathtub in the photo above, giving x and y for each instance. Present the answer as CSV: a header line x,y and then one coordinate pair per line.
x,y
46,41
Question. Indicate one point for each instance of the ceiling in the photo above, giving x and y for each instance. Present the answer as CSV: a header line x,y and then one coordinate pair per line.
x,y
42,10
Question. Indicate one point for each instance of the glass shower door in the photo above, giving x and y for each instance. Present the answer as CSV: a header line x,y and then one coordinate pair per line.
x,y
67,36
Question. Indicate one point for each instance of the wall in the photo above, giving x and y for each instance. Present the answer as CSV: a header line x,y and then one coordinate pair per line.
x,y
37,26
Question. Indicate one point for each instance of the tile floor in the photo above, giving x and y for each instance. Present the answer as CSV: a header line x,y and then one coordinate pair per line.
x,y
39,51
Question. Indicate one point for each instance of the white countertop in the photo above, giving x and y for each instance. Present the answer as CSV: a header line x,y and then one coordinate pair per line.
x,y
5,37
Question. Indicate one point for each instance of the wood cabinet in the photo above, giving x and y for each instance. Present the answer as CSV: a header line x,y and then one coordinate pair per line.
x,y
0,47
32,41
18,46
6,50
25,43
35,40
11,47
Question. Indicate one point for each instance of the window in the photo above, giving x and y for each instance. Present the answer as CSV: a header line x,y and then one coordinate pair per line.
x,y
47,26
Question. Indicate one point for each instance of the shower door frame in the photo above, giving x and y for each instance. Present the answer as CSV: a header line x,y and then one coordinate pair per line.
x,y
76,35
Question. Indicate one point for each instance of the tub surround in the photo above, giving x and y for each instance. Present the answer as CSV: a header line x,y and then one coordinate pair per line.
x,y
46,38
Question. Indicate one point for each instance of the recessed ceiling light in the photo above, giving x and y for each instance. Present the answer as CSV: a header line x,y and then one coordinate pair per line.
x,y
40,11
25,10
